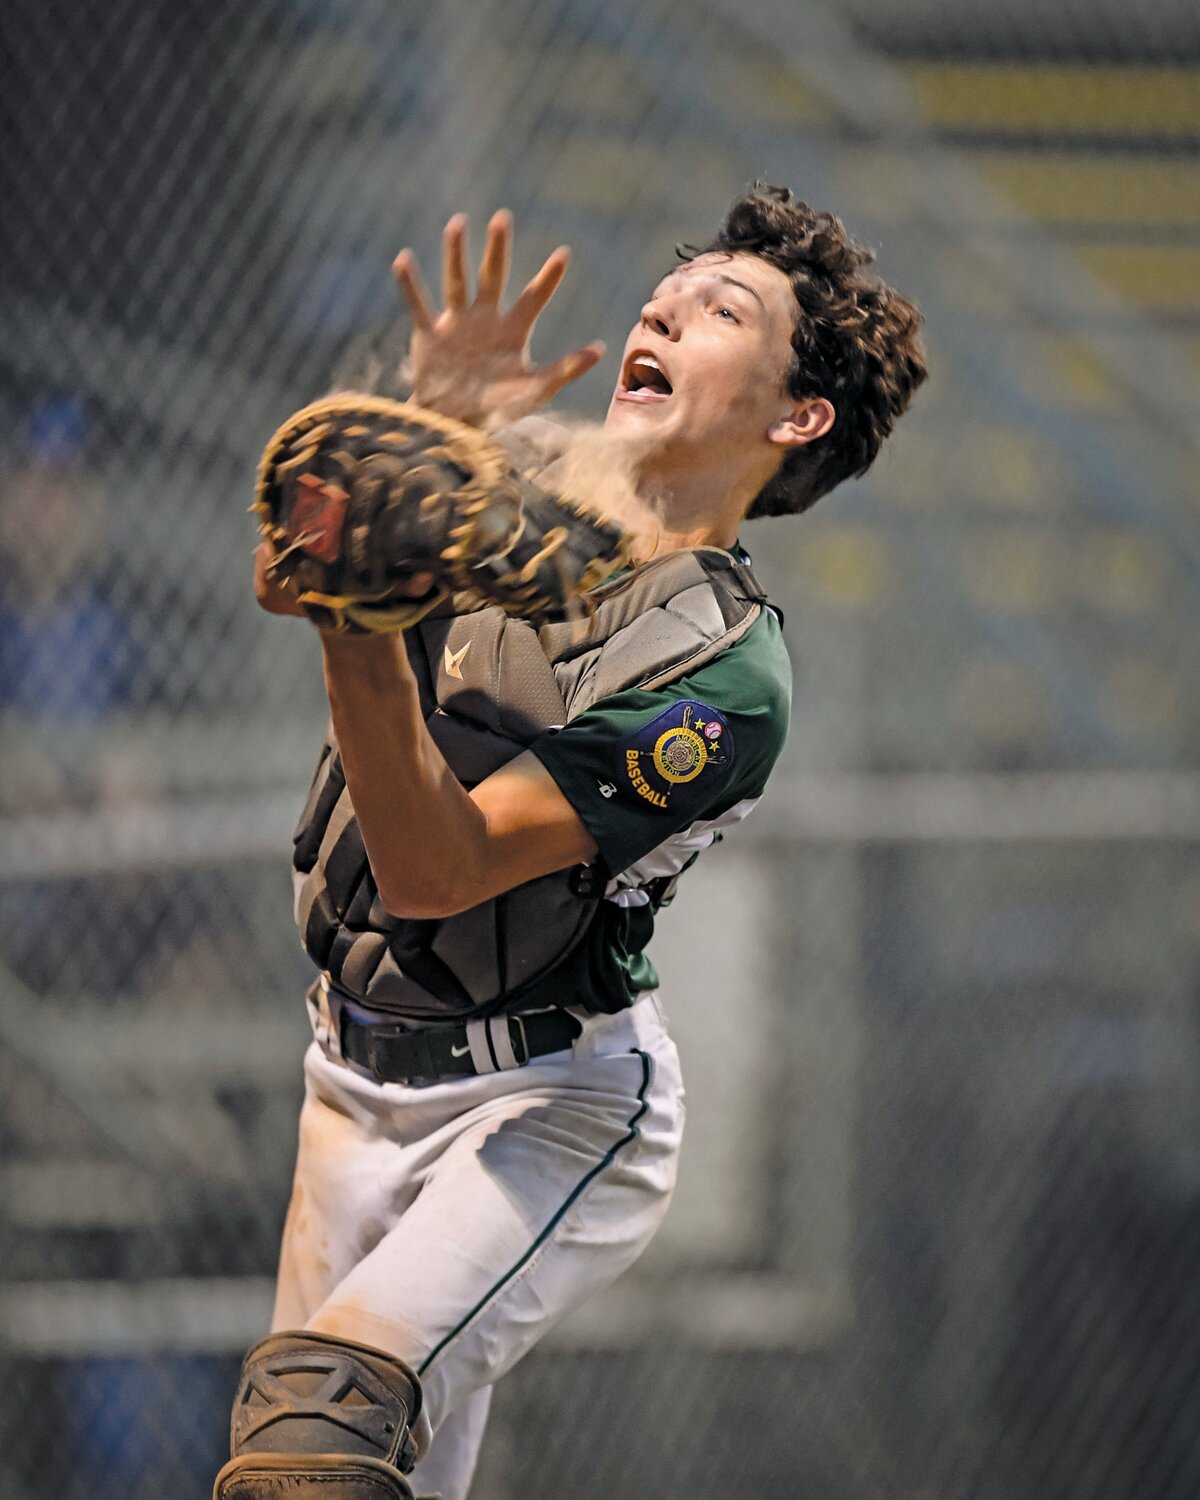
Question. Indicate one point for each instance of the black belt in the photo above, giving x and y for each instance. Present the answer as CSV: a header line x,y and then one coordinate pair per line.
x,y
395,1053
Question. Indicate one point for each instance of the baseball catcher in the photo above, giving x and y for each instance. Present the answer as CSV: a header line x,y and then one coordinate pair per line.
x,y
539,718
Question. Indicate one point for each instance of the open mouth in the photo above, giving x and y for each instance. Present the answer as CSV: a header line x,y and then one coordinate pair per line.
x,y
643,379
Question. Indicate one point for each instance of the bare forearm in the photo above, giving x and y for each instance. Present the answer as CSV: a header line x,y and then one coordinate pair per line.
x,y
425,838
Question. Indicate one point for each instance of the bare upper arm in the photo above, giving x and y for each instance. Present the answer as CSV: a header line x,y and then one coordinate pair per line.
x,y
531,827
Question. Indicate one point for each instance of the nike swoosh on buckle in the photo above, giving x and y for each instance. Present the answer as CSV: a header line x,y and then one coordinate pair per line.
x,y
459,1051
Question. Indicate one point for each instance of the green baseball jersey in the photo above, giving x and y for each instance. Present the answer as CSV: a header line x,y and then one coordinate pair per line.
x,y
656,775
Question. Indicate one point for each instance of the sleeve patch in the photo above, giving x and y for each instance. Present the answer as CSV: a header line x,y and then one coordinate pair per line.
x,y
689,745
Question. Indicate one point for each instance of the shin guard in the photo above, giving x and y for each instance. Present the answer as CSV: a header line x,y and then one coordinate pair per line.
x,y
323,1417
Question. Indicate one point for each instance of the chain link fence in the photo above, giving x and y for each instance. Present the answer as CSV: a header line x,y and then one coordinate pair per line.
x,y
939,1212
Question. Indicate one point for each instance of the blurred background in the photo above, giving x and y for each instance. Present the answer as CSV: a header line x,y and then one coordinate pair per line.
x,y
938,1223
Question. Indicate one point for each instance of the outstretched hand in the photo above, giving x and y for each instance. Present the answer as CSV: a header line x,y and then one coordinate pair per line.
x,y
471,360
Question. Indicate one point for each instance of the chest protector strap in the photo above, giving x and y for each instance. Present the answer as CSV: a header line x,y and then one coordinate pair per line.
x,y
489,686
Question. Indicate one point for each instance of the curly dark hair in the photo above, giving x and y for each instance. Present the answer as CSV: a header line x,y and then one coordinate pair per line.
x,y
855,342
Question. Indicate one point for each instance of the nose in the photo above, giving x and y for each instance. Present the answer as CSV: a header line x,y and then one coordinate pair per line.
x,y
658,315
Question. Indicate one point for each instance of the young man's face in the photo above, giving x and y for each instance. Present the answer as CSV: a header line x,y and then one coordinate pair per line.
x,y
705,367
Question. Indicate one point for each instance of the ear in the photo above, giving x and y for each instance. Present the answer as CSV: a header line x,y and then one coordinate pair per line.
x,y
807,421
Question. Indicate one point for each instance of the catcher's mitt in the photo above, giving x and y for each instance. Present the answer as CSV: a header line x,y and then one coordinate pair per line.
x,y
359,495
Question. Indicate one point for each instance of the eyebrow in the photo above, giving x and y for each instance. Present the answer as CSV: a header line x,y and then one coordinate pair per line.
x,y
720,276
733,281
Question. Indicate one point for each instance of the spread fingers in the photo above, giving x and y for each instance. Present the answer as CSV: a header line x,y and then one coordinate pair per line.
x,y
408,279
454,264
493,268
529,305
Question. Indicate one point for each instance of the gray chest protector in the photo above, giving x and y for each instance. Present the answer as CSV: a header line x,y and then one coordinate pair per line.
x,y
490,686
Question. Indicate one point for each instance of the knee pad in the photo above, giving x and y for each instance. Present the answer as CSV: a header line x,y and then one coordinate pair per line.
x,y
320,1416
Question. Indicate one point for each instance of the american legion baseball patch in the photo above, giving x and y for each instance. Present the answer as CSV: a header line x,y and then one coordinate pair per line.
x,y
687,746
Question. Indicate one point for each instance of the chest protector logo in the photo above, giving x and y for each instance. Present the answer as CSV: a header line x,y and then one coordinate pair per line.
x,y
662,761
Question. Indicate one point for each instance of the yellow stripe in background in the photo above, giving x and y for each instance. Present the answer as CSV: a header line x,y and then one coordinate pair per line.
x,y
1097,190
1157,278
1080,99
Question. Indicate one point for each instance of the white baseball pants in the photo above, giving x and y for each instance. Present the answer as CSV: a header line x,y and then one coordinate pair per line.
x,y
453,1223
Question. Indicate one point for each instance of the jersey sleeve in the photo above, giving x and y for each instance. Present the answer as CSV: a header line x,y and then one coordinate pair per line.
x,y
641,766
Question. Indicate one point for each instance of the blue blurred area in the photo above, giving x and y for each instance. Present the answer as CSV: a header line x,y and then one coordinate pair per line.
x,y
74,659
133,1427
